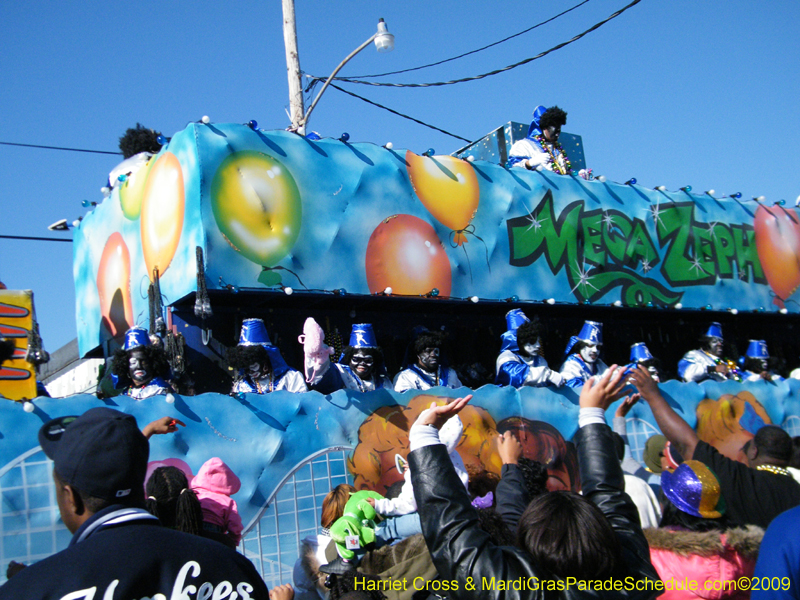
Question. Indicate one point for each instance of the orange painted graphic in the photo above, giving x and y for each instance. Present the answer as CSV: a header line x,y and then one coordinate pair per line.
x,y
17,376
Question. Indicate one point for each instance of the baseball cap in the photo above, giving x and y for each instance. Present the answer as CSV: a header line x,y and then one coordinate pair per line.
x,y
102,453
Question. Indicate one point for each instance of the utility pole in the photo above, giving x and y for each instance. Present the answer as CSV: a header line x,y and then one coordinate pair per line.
x,y
292,63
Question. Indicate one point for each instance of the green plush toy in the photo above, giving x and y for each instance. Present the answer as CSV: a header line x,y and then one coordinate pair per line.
x,y
356,527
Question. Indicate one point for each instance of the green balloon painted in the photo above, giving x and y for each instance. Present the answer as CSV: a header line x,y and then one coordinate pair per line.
x,y
257,206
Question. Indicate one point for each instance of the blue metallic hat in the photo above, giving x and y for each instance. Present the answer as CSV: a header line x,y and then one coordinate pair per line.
x,y
136,337
714,330
362,336
757,349
514,318
254,333
640,353
591,333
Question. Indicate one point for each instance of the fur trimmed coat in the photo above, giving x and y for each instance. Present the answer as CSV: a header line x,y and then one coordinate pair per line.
x,y
708,558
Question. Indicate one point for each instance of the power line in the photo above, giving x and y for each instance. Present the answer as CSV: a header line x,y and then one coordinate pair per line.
x,y
394,112
489,74
60,148
35,239
441,62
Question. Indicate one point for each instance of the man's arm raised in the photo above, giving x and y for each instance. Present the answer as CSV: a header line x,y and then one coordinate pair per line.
x,y
674,428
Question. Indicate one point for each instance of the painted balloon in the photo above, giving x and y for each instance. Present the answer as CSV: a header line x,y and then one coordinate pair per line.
x,y
777,234
448,188
257,206
404,253
114,286
162,213
131,191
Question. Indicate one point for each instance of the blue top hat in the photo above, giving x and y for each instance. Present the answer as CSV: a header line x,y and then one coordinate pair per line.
x,y
136,337
640,353
714,330
514,318
757,349
254,333
362,336
591,333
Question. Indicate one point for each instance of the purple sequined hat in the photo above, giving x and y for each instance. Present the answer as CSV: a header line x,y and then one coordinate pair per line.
x,y
694,489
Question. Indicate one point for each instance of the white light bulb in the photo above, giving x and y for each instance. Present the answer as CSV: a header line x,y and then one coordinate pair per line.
x,y
551,301
471,158
617,302
170,399
288,291
678,305
27,407
205,120
784,310
474,299
389,145
388,291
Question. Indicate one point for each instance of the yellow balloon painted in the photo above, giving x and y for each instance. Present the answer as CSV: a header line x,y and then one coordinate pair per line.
x,y
162,213
447,187
132,191
257,206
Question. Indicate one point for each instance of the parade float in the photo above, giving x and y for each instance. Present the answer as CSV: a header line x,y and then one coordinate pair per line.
x,y
228,221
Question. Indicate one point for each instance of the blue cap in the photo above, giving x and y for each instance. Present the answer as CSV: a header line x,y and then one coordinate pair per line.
x,y
362,336
714,330
514,318
102,452
136,337
254,333
640,353
757,349
591,332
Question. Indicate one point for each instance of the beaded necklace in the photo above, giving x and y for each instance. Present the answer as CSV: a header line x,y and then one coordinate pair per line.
x,y
773,469
262,389
552,157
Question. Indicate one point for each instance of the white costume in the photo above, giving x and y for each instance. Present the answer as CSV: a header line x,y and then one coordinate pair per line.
x,y
644,499
577,371
694,366
290,381
535,155
450,435
414,378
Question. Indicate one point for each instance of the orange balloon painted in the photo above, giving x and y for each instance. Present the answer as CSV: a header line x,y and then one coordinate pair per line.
x,y
162,213
405,253
448,187
114,286
777,234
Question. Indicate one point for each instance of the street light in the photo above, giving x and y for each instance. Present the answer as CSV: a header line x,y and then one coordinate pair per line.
x,y
384,42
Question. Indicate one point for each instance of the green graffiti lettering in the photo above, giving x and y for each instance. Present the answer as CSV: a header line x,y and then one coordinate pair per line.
x,y
744,243
640,248
723,248
615,238
541,233
592,229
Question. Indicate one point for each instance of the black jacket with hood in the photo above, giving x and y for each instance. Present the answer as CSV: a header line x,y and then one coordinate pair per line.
x,y
472,566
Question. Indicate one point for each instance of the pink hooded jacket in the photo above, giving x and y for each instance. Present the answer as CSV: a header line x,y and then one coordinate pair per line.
x,y
214,484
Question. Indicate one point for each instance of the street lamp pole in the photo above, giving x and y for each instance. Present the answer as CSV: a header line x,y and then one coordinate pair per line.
x,y
292,63
384,42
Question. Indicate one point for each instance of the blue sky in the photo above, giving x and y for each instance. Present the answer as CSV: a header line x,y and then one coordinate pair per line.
x,y
672,92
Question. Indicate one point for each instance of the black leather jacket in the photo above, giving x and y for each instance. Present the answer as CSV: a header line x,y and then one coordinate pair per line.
x,y
465,554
